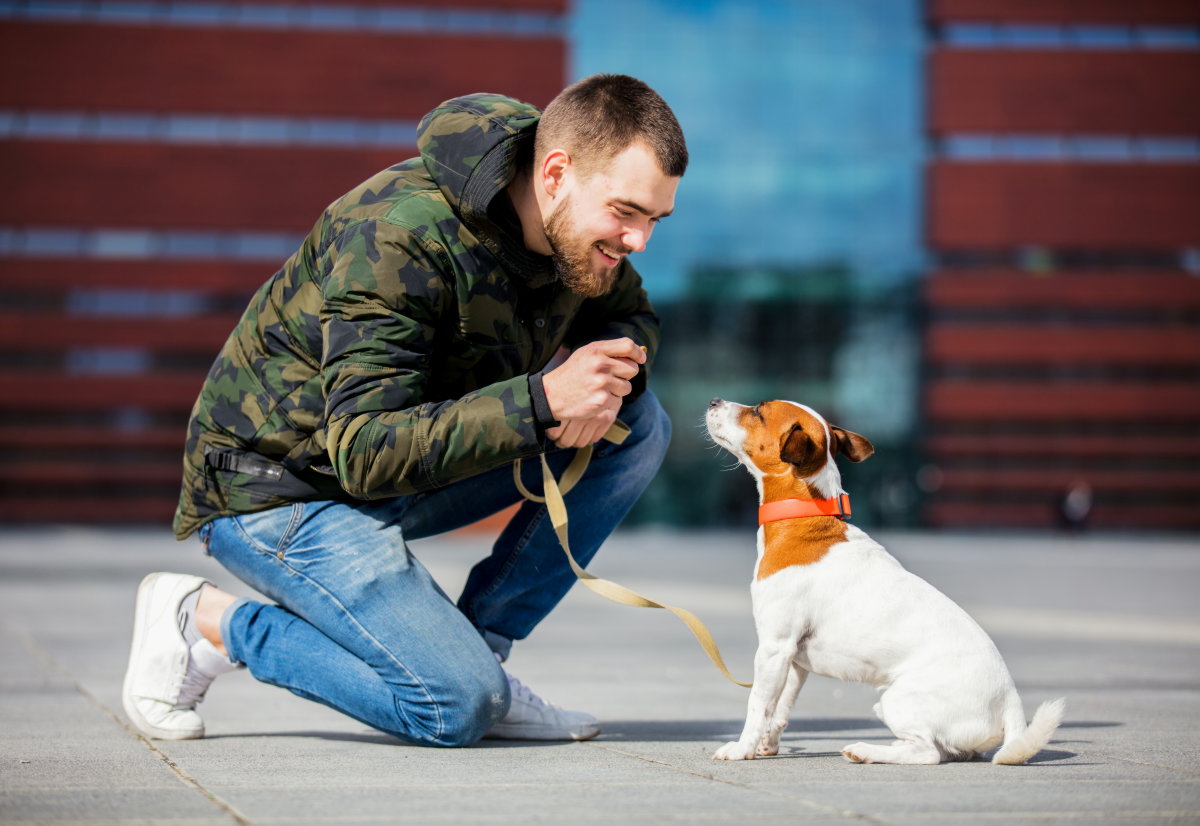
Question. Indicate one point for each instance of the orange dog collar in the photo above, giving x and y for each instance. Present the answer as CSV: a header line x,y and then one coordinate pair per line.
x,y
838,506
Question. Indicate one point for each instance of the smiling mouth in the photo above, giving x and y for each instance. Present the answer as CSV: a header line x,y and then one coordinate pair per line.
x,y
611,254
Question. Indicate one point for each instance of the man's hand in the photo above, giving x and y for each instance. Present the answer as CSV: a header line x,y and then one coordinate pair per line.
x,y
585,392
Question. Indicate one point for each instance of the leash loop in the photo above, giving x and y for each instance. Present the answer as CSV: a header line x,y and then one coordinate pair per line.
x,y
557,510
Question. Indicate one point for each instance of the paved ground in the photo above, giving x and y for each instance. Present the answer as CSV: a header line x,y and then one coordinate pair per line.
x,y
1111,623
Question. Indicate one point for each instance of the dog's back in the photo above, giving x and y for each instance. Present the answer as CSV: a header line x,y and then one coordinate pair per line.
x,y
868,619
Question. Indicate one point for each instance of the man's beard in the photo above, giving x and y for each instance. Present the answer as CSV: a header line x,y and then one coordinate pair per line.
x,y
573,259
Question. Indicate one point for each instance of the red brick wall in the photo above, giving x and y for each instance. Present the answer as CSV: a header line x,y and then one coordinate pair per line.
x,y
1063,337
106,347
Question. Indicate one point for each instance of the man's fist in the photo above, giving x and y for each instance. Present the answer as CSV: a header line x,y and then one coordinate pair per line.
x,y
585,391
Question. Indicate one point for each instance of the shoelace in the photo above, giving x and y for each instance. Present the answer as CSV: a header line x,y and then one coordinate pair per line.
x,y
195,681
195,684
519,689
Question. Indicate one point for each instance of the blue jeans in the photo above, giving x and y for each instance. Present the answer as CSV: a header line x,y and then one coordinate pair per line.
x,y
361,626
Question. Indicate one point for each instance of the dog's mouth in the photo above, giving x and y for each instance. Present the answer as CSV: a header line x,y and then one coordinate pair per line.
x,y
717,422
719,441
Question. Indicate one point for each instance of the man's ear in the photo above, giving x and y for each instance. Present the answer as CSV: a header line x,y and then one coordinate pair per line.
x,y
797,447
850,444
553,171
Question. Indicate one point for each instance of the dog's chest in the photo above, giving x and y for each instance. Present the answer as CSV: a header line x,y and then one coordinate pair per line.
x,y
786,545
813,611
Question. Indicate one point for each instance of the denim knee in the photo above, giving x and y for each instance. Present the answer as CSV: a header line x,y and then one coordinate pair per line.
x,y
475,707
655,424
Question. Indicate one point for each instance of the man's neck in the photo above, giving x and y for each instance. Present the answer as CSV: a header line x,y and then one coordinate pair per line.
x,y
524,201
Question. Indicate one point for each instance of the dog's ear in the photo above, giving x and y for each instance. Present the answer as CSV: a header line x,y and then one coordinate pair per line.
x,y
797,447
850,444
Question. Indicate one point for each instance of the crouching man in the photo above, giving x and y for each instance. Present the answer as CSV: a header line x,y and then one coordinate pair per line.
x,y
452,314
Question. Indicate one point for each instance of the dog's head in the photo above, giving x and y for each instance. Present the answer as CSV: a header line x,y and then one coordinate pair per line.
x,y
777,438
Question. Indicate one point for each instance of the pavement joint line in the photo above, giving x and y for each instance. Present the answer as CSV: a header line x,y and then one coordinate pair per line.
x,y
27,641
1192,772
1041,816
744,786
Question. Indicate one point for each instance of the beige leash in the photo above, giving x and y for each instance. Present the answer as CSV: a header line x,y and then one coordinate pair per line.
x,y
557,509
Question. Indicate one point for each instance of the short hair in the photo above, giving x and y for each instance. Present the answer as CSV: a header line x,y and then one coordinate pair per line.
x,y
598,117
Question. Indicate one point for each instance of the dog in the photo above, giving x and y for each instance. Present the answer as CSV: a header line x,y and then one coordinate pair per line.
x,y
831,601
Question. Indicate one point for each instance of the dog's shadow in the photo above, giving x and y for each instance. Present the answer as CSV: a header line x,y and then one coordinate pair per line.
x,y
1046,756
790,746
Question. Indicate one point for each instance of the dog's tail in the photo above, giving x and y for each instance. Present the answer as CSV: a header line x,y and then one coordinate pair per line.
x,y
1021,742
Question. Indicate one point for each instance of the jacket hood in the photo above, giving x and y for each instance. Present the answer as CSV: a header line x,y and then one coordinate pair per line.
x,y
470,147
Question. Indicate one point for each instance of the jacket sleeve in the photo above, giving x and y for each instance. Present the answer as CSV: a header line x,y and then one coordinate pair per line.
x,y
624,311
382,305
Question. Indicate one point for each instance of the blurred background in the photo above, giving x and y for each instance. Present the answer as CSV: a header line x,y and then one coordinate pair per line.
x,y
968,229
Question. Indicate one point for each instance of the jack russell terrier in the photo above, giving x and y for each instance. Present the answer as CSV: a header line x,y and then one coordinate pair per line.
x,y
831,601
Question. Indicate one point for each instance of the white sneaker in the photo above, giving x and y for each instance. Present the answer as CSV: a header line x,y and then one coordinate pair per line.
x,y
532,718
167,677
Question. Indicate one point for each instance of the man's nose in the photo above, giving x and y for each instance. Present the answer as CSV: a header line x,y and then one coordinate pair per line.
x,y
636,239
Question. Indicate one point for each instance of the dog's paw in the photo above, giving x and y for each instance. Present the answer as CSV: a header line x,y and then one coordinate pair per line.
x,y
734,751
768,744
856,753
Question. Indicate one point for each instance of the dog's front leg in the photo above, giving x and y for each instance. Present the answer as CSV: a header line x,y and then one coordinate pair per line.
x,y
769,744
771,666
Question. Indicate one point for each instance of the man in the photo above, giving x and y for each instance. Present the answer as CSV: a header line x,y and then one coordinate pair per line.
x,y
454,313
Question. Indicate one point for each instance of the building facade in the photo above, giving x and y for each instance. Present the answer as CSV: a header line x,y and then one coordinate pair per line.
x,y
969,229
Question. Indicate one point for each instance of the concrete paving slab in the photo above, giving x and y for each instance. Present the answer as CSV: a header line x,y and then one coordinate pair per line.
x,y
1112,623
65,758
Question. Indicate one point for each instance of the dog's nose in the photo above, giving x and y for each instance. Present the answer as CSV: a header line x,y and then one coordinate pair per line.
x,y
716,402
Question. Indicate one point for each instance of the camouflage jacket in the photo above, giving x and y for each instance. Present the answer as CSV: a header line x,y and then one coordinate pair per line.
x,y
391,353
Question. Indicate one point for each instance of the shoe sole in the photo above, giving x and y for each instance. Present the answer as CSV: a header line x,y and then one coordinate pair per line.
x,y
499,732
148,591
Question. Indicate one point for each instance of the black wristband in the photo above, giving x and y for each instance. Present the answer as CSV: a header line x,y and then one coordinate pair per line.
x,y
541,407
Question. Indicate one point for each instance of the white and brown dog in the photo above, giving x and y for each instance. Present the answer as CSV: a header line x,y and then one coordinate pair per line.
x,y
831,601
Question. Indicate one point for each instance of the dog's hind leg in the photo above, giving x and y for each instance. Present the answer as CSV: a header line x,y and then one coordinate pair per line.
x,y
916,752
908,713
768,744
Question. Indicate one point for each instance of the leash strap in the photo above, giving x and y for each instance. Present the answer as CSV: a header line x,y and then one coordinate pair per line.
x,y
557,510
